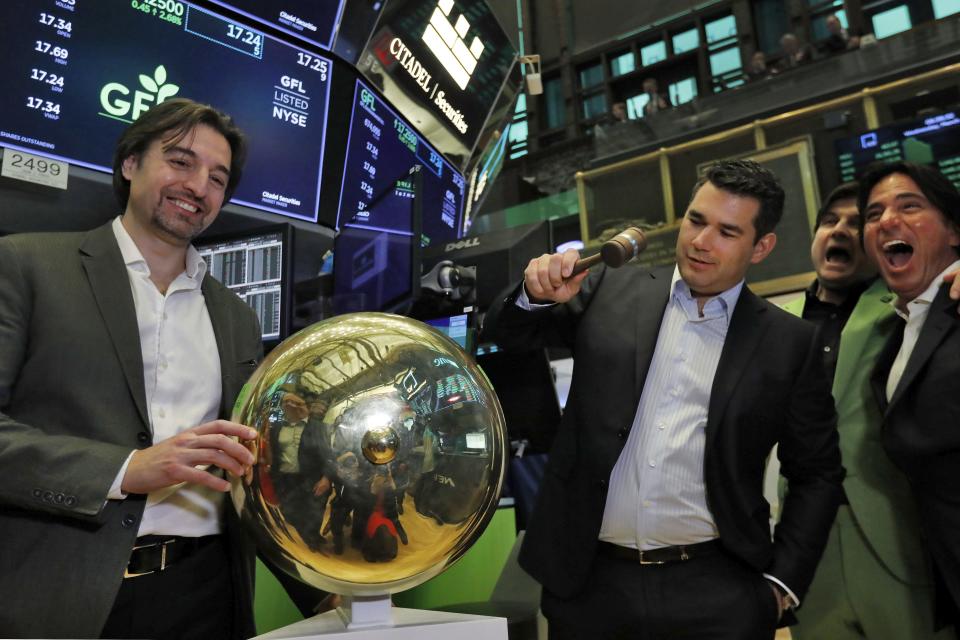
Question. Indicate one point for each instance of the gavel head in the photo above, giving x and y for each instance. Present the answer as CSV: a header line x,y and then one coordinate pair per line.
x,y
623,247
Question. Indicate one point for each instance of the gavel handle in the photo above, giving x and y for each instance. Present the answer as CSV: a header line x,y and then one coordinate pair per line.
x,y
585,263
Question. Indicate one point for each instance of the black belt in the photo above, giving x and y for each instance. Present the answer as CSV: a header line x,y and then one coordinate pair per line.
x,y
663,555
156,553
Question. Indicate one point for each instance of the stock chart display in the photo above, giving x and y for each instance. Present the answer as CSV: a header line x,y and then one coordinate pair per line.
x,y
77,72
933,141
381,149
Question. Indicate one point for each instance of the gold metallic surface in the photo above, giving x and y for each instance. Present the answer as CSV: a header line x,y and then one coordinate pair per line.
x,y
380,454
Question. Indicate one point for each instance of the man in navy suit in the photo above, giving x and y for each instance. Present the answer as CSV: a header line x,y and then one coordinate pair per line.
x,y
651,520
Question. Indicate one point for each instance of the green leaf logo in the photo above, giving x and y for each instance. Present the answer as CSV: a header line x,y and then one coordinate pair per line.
x,y
160,75
148,83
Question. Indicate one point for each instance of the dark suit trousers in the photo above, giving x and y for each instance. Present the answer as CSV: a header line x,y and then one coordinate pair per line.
x,y
190,599
711,597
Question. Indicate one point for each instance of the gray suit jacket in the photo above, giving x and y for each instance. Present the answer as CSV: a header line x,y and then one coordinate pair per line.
x,y
72,407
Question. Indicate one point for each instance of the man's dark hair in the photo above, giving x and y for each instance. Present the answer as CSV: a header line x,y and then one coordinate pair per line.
x,y
934,185
747,178
170,121
846,191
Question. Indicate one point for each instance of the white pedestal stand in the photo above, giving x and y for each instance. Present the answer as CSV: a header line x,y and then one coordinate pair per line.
x,y
374,618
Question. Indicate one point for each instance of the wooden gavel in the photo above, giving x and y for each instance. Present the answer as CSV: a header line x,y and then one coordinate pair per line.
x,y
616,251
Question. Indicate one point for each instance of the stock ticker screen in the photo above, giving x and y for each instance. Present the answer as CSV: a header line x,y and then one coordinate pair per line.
x,y
312,20
934,141
77,72
381,148
251,267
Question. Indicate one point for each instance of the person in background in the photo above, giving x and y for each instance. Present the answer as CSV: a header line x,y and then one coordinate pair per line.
x,y
656,101
873,580
910,217
758,69
794,54
839,39
650,518
120,361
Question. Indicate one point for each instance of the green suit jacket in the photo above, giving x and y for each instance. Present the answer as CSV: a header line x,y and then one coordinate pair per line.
x,y
72,407
878,493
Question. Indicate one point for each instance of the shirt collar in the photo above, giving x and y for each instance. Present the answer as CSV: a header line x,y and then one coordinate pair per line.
x,y
921,303
196,265
726,299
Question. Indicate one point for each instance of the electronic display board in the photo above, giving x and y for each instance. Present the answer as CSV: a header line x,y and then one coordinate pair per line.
x,y
77,72
443,64
381,148
312,20
255,266
934,141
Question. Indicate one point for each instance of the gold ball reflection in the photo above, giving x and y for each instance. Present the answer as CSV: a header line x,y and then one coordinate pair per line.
x,y
379,445
380,454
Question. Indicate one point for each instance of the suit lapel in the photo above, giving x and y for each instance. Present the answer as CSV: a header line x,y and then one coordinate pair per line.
x,y
941,318
747,326
872,310
220,321
648,325
103,263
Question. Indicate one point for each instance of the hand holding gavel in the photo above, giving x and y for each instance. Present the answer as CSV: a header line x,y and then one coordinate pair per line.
x,y
557,277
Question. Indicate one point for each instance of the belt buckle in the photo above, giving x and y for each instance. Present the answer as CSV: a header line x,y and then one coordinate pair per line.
x,y
650,562
163,559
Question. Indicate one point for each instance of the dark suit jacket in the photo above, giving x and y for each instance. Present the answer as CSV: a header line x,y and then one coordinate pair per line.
x,y
769,389
921,433
72,407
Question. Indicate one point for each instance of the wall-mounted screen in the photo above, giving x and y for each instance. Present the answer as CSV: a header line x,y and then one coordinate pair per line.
x,y
443,63
256,266
378,269
933,140
312,20
76,73
382,146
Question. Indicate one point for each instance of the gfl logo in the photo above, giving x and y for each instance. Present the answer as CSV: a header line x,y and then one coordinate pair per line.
x,y
116,102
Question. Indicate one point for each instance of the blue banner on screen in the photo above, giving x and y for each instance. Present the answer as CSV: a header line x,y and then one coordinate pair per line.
x,y
381,148
312,20
76,73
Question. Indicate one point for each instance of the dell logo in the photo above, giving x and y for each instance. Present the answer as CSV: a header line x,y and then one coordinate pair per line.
x,y
462,244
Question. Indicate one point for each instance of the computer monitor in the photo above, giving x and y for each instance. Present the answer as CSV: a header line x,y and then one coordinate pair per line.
x,y
377,267
461,328
256,265
932,141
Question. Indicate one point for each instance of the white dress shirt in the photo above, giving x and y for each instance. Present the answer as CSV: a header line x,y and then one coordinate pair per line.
x,y
181,371
915,315
657,494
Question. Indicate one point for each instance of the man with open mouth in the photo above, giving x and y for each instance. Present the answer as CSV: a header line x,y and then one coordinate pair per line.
x,y
873,580
910,221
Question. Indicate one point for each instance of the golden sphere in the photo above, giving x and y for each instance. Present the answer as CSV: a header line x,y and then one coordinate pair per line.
x,y
380,454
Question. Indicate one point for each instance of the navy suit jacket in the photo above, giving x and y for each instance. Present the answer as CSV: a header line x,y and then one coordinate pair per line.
x,y
921,433
769,389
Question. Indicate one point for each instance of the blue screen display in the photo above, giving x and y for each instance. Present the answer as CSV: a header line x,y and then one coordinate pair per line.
x,y
77,73
381,148
312,20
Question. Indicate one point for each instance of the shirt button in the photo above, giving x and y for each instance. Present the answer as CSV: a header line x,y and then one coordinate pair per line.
x,y
143,437
675,392
660,426
161,413
826,349
652,463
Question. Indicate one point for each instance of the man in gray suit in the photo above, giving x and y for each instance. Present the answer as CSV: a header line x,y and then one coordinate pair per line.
x,y
119,360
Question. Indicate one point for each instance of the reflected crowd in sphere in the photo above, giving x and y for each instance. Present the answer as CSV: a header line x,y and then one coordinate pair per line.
x,y
380,454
